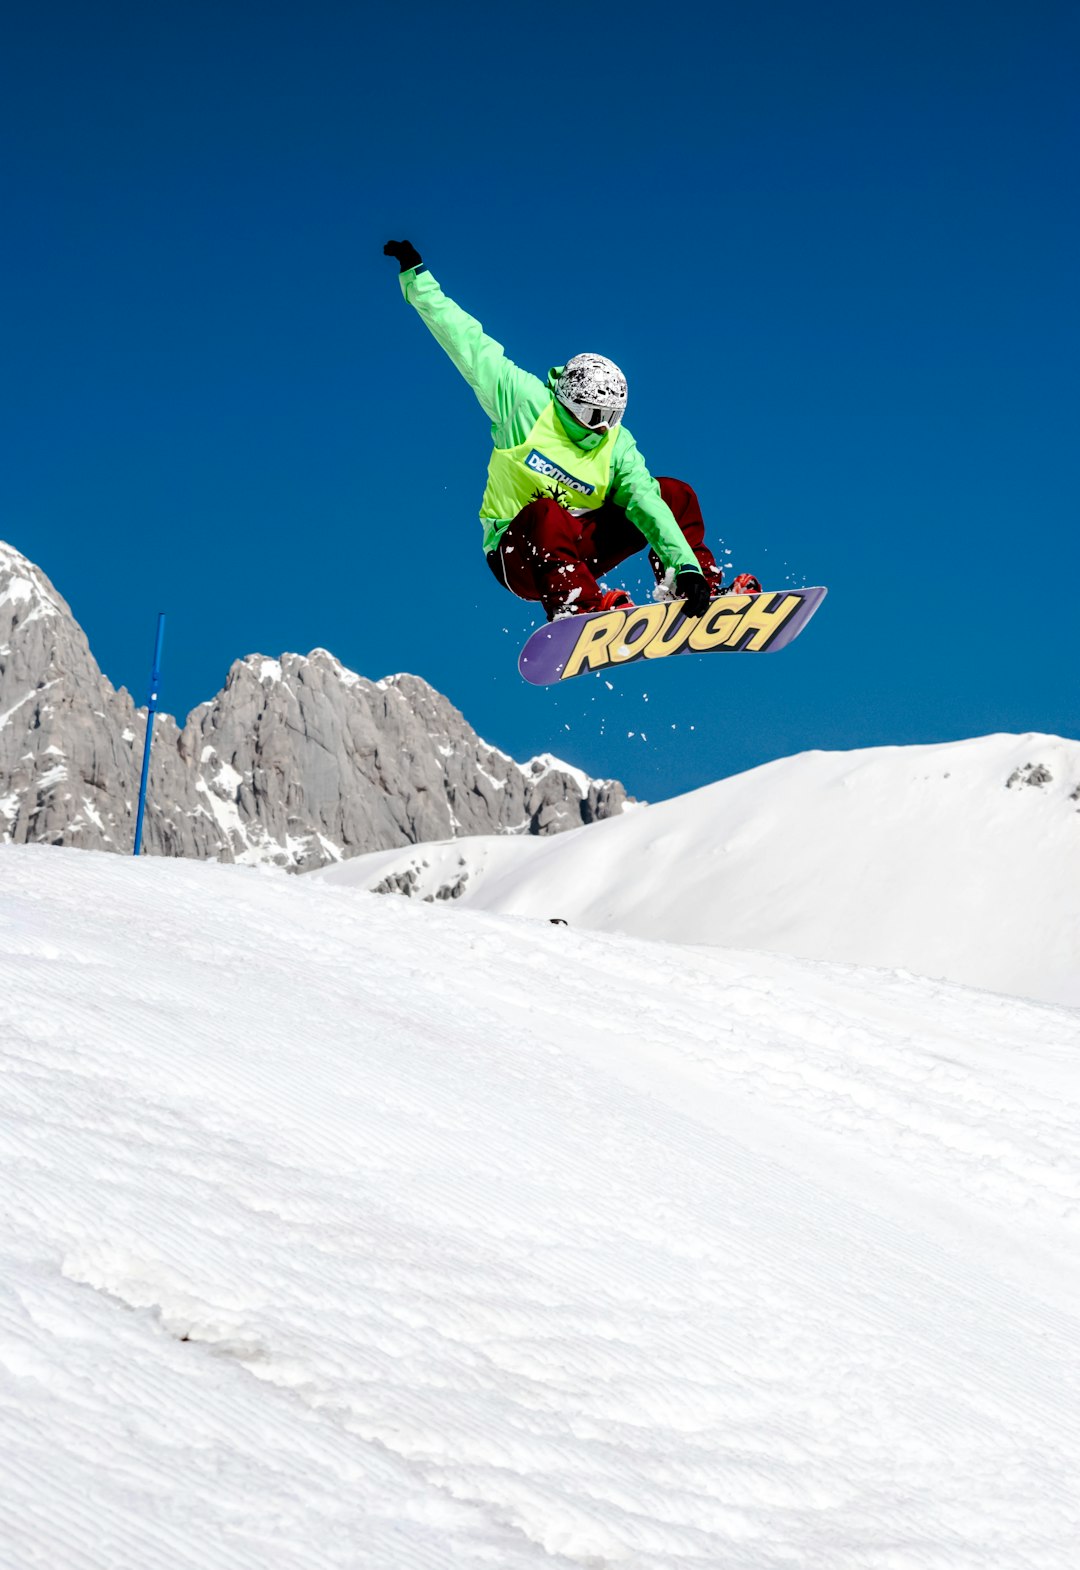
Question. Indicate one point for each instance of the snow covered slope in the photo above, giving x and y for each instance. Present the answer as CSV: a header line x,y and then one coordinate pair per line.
x,y
960,860
339,1231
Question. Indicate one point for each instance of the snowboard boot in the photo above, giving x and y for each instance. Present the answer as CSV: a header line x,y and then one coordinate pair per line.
x,y
607,600
742,583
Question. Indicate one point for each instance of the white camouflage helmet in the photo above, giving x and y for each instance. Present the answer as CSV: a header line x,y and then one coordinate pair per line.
x,y
594,390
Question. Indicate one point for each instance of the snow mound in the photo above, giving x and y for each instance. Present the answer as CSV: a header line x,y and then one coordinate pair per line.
x,y
957,860
344,1231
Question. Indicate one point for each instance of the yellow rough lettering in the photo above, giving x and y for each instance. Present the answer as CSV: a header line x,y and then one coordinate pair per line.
x,y
669,638
762,620
716,626
593,642
641,624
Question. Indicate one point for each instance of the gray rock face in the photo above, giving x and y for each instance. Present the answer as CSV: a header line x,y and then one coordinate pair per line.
x,y
1029,774
297,762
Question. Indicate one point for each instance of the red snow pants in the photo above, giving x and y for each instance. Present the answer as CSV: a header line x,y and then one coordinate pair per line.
x,y
548,554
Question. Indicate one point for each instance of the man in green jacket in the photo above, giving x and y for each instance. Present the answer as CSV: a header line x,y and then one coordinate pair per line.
x,y
568,494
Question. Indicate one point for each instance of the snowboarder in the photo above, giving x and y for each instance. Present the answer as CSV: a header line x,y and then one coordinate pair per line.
x,y
568,494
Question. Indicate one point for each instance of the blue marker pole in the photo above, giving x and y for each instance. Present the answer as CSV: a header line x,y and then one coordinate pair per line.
x,y
151,710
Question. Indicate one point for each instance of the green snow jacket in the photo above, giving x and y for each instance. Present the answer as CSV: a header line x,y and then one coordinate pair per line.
x,y
514,400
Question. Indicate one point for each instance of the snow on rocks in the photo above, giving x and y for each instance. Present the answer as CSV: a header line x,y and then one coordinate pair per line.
x,y
345,1231
321,761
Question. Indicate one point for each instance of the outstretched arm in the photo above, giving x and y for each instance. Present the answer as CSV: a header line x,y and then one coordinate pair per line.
x,y
501,387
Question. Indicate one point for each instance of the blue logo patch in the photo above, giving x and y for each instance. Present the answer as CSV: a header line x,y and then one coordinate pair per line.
x,y
551,471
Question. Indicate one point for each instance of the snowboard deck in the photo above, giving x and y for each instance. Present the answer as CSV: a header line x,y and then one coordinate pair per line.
x,y
733,624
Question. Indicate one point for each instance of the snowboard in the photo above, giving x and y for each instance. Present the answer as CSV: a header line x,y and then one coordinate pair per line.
x,y
733,624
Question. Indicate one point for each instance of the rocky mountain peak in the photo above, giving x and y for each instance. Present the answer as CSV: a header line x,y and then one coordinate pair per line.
x,y
298,761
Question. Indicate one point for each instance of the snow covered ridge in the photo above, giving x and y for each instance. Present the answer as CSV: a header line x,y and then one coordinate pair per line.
x,y
959,860
297,763
26,586
335,1238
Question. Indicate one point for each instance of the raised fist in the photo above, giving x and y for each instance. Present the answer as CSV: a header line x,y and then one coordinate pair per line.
x,y
404,252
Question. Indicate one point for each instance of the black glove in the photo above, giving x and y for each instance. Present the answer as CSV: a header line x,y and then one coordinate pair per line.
x,y
693,587
403,251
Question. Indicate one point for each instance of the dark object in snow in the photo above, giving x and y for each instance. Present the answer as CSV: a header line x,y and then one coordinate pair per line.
x,y
1030,774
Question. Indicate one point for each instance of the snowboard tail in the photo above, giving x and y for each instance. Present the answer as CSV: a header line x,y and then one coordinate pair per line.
x,y
733,624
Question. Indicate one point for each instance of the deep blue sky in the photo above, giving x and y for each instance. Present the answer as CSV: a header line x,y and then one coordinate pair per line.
x,y
834,246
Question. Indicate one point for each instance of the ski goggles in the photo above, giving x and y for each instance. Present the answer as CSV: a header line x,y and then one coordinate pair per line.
x,y
594,417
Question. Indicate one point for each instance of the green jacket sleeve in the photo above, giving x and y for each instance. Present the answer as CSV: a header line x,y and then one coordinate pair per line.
x,y
510,397
638,494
